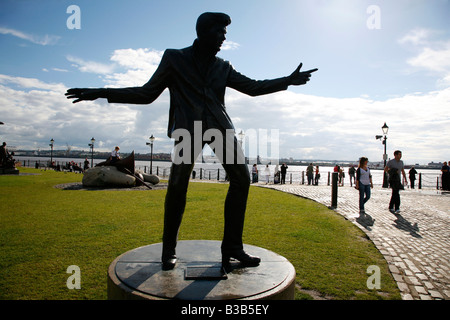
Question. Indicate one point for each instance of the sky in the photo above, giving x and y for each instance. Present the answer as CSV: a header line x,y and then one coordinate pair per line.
x,y
379,62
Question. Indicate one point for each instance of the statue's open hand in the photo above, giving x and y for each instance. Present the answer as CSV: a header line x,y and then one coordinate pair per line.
x,y
80,94
299,78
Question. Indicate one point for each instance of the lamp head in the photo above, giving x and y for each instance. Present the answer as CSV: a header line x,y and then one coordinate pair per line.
x,y
385,128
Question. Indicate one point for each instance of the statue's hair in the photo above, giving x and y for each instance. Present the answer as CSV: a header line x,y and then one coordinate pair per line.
x,y
209,19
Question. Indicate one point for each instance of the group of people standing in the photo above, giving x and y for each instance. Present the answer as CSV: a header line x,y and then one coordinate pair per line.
x,y
313,175
279,176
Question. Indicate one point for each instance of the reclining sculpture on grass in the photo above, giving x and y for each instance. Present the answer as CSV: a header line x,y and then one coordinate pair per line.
x,y
119,173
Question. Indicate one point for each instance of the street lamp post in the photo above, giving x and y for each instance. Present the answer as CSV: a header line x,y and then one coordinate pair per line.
x,y
385,129
152,138
51,151
1,123
92,151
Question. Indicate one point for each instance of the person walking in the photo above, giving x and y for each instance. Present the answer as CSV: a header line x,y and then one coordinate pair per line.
x,y
351,174
363,183
394,168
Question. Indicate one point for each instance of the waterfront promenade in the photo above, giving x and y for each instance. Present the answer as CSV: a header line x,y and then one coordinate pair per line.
x,y
415,243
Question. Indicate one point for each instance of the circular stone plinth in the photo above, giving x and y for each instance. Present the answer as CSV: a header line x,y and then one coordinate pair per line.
x,y
137,274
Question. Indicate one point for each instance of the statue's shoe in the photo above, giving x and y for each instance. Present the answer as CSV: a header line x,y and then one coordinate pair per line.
x,y
169,263
245,259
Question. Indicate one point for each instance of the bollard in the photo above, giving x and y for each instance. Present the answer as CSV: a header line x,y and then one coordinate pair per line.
x,y
334,190
303,177
328,183
290,180
420,181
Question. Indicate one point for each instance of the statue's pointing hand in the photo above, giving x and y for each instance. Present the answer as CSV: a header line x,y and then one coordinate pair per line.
x,y
299,78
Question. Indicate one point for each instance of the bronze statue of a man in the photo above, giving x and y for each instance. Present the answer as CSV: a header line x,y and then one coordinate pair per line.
x,y
197,79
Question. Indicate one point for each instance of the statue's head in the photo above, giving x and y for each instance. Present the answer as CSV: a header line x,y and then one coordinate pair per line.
x,y
211,29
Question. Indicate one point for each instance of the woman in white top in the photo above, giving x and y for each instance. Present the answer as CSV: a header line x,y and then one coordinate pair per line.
x,y
363,183
267,173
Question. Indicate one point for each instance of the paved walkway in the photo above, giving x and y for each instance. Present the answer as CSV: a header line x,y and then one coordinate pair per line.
x,y
415,243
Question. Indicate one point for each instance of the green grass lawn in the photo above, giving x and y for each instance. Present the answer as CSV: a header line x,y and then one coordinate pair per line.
x,y
45,230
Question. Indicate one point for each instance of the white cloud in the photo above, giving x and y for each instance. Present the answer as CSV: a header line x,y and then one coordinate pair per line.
x,y
142,58
34,112
140,64
418,36
432,54
91,66
230,45
434,59
137,65
60,70
41,40
444,82
31,83
55,69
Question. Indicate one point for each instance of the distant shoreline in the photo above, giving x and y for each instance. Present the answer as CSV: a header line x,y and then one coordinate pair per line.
x,y
320,163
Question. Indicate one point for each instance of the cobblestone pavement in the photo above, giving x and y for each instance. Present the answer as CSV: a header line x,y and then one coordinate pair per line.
x,y
415,242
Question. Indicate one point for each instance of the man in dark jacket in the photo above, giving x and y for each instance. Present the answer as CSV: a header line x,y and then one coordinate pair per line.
x,y
395,168
197,80
284,168
412,176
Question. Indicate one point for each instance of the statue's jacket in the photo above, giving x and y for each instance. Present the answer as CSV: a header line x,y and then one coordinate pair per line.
x,y
193,92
